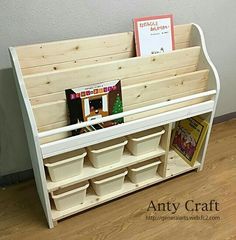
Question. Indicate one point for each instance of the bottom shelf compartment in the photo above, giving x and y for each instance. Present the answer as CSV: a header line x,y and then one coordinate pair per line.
x,y
175,166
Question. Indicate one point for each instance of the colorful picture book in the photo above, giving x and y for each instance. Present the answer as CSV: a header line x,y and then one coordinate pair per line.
x,y
188,137
93,102
154,35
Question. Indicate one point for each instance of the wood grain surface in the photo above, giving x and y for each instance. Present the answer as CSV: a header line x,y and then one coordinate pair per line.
x,y
21,216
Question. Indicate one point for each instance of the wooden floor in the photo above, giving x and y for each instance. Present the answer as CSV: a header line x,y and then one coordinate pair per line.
x,y
21,216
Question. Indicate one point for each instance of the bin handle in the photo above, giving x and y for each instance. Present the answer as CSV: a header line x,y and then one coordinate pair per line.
x,y
108,148
148,136
65,161
111,178
70,192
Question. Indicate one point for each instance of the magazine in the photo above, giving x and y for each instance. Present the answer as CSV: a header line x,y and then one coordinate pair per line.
x,y
188,137
154,35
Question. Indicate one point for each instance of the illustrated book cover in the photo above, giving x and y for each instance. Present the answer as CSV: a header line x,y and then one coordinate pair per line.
x,y
188,137
154,35
94,101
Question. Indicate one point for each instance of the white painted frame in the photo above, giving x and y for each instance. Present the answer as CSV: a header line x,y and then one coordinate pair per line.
x,y
32,137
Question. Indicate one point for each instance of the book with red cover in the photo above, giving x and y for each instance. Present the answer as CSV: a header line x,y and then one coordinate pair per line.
x,y
154,35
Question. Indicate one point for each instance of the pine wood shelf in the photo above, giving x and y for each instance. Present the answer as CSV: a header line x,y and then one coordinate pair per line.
x,y
157,90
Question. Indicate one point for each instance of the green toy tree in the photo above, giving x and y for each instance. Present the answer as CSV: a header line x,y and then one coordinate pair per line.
x,y
117,108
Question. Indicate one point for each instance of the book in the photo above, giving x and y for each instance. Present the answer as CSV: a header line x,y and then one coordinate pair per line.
x,y
188,137
154,35
92,102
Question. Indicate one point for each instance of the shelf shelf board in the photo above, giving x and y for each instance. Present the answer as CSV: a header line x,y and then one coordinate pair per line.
x,y
90,172
175,166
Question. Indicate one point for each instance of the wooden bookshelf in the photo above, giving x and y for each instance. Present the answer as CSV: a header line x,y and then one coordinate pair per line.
x,y
157,90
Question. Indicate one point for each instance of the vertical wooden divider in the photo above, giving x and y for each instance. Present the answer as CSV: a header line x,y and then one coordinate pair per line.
x,y
165,144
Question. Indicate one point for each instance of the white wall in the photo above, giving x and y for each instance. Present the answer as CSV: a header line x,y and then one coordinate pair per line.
x,y
31,21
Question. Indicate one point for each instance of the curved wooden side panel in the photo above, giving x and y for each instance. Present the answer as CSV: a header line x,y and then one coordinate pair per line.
x,y
32,137
197,39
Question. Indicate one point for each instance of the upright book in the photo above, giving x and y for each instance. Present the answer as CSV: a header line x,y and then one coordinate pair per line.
x,y
154,35
94,101
188,137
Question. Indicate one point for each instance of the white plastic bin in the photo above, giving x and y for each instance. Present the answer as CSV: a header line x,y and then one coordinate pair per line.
x,y
65,165
106,153
143,171
145,141
109,183
71,196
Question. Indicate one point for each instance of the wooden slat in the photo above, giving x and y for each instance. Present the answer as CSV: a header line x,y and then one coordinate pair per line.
x,y
166,109
57,111
63,51
49,113
182,45
144,92
53,56
182,33
41,84
125,82
166,98
76,63
53,126
48,98
182,36
54,137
